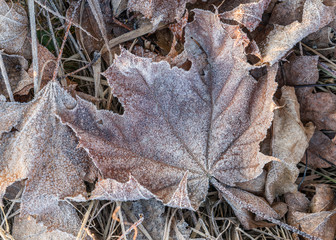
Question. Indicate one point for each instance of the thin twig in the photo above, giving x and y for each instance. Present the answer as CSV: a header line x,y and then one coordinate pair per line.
x,y
6,79
31,9
94,60
64,41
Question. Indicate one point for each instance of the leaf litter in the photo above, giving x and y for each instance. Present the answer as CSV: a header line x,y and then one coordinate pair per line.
x,y
181,130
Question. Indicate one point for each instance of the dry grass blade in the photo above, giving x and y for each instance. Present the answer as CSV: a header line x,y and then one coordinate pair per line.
x,y
34,45
5,77
131,35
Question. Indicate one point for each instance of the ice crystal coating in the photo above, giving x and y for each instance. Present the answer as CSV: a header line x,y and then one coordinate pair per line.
x,y
180,128
35,146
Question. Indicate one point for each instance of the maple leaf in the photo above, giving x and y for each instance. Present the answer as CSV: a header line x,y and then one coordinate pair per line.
x,y
289,142
35,146
180,128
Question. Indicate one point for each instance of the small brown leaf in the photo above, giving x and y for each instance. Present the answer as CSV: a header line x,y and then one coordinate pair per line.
x,y
322,224
321,152
324,199
16,67
289,143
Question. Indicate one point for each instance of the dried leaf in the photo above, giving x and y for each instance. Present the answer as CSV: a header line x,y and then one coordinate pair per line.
x,y
180,128
154,216
321,152
13,27
43,151
289,143
159,10
243,203
303,70
28,228
282,38
47,64
248,14
322,221
16,67
324,199
292,9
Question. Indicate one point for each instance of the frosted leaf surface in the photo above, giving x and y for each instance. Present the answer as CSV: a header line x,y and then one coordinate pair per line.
x,y
159,10
28,228
34,145
13,27
180,128
282,38
248,14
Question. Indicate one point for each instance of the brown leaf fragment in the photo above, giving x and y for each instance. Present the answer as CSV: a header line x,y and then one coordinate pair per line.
x,y
248,14
286,12
27,228
323,200
180,128
296,202
282,38
243,203
47,64
13,27
320,108
289,143
43,151
16,67
321,224
154,216
159,10
321,152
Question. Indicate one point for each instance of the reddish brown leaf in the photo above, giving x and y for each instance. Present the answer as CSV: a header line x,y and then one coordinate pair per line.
x,y
180,128
34,145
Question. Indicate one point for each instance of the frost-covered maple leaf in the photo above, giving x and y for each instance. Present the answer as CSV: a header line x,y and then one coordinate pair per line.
x,y
181,129
36,147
